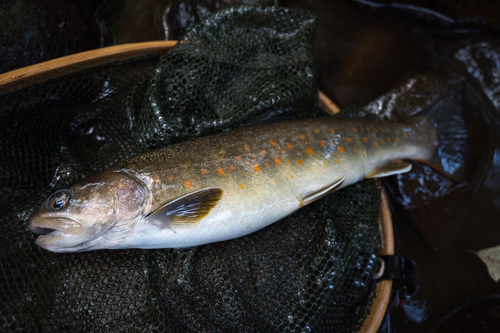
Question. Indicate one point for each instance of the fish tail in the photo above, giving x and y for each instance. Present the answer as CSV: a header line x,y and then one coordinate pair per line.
x,y
452,153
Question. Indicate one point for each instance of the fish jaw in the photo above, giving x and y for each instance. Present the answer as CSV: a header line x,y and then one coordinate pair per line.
x,y
57,234
53,241
65,235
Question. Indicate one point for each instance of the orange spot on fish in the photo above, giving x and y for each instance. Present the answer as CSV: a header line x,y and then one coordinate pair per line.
x,y
277,161
242,186
354,129
170,177
322,143
289,146
299,162
302,136
316,131
312,169
222,172
365,139
156,179
355,149
349,140
222,152
382,142
288,160
282,151
247,148
275,181
238,158
375,143
336,160
332,131
324,162
231,168
272,143
267,165
291,176
341,149
389,140
405,135
256,168
188,184
309,151
263,152
203,171
397,139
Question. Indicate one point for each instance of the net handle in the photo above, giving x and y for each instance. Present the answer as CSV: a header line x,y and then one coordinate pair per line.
x,y
44,71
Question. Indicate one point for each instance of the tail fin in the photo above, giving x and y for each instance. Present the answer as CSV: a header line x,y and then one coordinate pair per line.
x,y
452,156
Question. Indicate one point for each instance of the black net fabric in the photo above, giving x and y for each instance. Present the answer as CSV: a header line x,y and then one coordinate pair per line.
x,y
312,271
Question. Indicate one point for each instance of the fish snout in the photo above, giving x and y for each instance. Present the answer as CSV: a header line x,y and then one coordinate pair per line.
x,y
43,225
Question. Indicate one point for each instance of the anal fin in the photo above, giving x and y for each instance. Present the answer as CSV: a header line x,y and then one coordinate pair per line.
x,y
321,193
187,210
390,168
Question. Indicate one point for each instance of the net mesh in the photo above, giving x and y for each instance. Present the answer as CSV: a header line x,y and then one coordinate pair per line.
x,y
312,271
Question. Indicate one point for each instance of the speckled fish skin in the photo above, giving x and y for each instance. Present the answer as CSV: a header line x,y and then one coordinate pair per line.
x,y
265,171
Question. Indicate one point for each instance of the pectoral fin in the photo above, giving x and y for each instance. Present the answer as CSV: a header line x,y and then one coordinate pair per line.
x,y
321,193
187,210
390,168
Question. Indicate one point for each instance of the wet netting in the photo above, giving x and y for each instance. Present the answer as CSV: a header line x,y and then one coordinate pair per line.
x,y
312,271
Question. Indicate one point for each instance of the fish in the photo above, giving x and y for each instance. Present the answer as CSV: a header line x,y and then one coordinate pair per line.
x,y
234,183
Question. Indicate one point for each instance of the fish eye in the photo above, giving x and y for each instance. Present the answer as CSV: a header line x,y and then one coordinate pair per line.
x,y
59,200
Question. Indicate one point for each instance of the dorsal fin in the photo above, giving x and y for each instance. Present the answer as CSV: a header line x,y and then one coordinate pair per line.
x,y
187,210
321,193
390,168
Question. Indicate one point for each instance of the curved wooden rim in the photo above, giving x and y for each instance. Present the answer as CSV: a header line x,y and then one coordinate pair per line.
x,y
38,73
383,291
379,307
24,77
326,104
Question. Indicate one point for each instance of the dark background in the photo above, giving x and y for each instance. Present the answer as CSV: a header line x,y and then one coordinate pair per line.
x,y
399,57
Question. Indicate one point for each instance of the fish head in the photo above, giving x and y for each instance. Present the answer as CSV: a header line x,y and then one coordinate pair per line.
x,y
91,214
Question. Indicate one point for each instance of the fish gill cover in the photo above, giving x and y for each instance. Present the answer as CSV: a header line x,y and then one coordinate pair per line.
x,y
311,271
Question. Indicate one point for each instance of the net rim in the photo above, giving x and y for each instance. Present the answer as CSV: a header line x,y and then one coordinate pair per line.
x,y
38,73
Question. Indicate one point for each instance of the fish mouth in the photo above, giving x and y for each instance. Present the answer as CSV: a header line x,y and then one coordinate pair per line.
x,y
42,231
56,234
